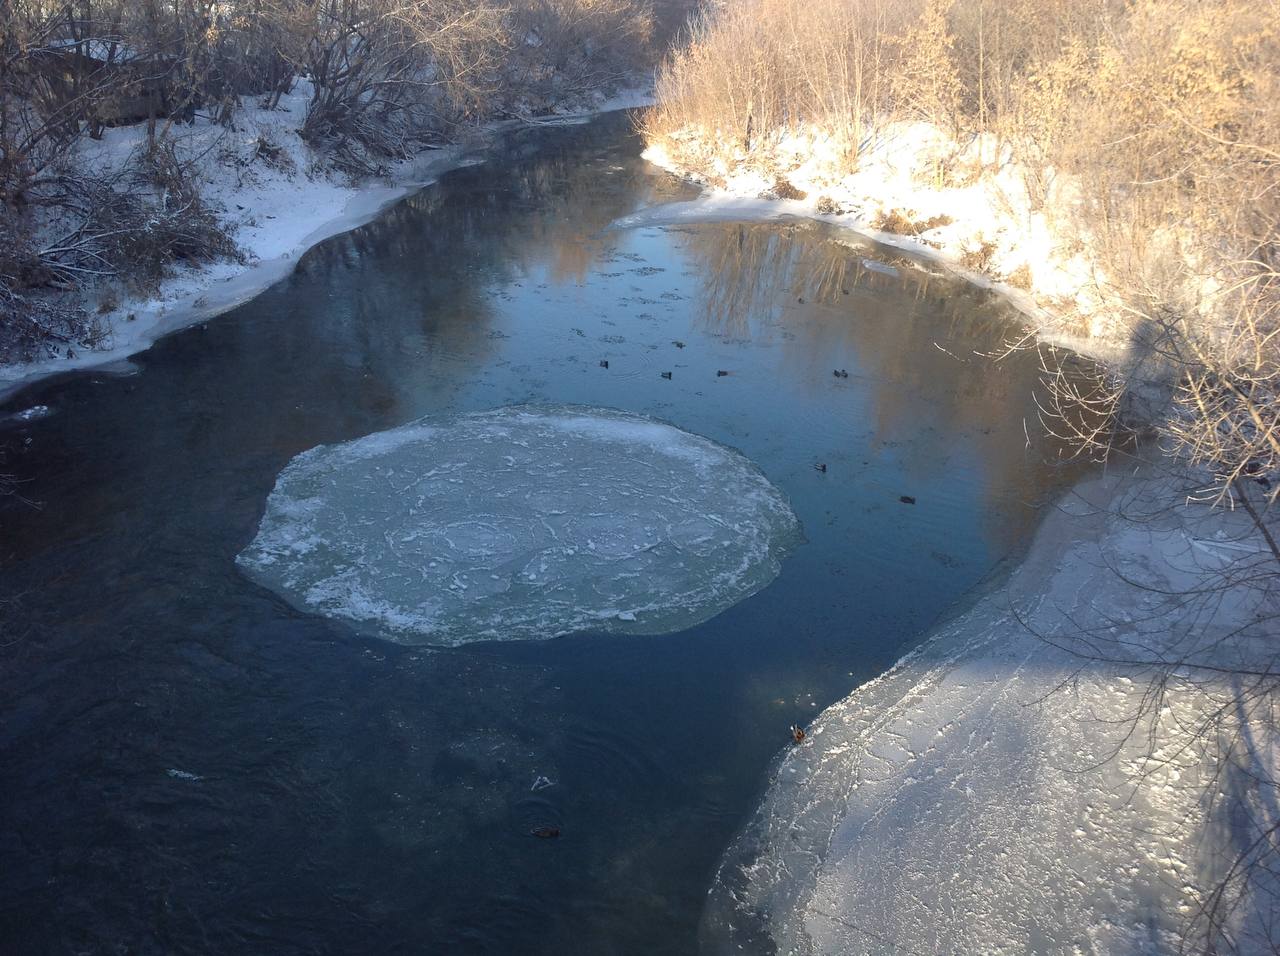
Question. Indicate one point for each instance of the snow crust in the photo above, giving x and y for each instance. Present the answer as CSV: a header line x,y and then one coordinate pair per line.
x,y
522,523
998,791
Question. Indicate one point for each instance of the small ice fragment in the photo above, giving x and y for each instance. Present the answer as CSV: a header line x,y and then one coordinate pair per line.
x,y
32,413
880,267
541,783
184,775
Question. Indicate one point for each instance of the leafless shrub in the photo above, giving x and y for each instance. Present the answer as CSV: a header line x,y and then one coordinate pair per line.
x,y
178,227
1020,278
385,72
571,47
750,72
1176,138
978,258
783,188
905,223
828,206
31,323
925,82
130,227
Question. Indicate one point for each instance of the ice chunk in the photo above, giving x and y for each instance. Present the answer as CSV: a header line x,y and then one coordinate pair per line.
x,y
522,523
32,414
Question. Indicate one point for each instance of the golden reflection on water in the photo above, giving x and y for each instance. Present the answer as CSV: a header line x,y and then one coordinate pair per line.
x,y
913,332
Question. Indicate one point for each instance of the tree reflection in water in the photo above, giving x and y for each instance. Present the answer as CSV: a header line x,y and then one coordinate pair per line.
x,y
831,293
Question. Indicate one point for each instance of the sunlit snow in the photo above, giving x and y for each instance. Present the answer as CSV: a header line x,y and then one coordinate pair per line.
x,y
522,523
999,791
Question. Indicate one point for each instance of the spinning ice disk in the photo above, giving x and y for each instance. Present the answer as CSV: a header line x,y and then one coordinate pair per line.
x,y
522,523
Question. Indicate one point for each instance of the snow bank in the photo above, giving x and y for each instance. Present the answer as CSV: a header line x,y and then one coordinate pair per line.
x,y
994,792
276,209
522,524
988,228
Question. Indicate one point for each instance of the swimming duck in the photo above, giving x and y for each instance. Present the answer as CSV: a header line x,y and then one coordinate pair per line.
x,y
666,374
545,832
821,466
604,363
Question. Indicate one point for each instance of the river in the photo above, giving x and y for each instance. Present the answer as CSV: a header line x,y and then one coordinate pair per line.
x,y
189,764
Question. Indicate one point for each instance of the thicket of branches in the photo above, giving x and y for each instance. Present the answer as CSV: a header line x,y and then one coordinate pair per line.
x,y
383,77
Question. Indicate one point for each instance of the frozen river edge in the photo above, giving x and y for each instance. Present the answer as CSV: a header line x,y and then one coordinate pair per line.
x,y
990,794
304,210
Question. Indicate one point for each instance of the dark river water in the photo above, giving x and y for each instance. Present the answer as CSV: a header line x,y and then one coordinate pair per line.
x,y
190,765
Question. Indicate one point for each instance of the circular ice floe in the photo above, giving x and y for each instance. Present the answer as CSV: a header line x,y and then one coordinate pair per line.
x,y
522,523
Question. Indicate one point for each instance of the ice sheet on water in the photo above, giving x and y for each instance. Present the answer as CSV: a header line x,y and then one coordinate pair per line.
x,y
522,523
995,793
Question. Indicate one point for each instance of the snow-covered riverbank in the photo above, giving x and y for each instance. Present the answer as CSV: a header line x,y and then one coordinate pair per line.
x,y
968,206
996,791
277,201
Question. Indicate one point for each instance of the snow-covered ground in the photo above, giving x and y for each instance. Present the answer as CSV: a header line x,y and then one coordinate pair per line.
x,y
993,792
277,210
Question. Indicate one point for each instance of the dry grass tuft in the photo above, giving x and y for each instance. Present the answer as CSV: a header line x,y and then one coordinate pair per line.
x,y
783,189
905,223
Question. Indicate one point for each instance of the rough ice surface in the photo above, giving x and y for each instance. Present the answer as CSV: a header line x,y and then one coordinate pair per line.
x,y
997,792
522,523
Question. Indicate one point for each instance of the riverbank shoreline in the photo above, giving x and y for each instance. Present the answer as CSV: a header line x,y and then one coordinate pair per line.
x,y
986,231
286,211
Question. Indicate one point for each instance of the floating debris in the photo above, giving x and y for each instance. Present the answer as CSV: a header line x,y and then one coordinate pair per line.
x,y
32,414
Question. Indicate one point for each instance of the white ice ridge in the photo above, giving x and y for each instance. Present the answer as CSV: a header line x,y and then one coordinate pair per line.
x,y
522,523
